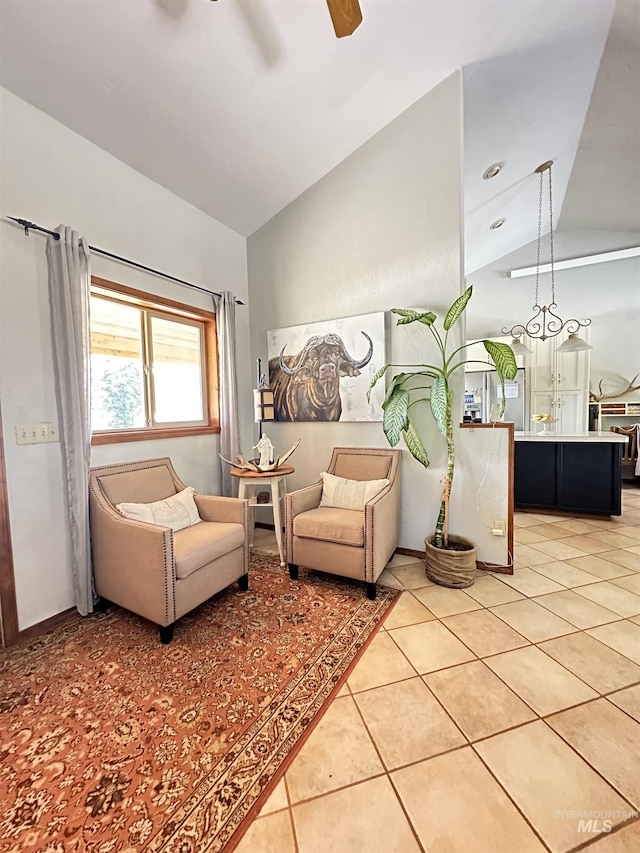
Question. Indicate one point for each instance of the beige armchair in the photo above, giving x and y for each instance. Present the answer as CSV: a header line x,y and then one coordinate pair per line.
x,y
149,569
352,543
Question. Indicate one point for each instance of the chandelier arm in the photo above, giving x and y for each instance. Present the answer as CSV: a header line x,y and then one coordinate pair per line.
x,y
516,331
533,327
555,323
573,325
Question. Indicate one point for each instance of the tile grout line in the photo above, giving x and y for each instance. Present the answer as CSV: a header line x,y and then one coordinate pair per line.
x,y
510,798
540,717
387,773
624,710
586,631
303,802
378,775
607,782
294,834
613,692
527,641
437,619
387,684
290,810
496,654
622,615
566,669
422,676
596,578
543,720
511,690
609,622
576,630
600,696
476,657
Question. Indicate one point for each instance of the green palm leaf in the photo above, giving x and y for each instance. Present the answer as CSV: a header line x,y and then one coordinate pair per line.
x,y
503,358
407,315
428,318
406,312
398,380
457,308
376,376
439,402
395,415
415,445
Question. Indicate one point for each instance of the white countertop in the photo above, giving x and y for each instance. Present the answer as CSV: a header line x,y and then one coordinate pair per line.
x,y
604,437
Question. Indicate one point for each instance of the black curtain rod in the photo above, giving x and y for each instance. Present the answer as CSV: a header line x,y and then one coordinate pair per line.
x,y
31,226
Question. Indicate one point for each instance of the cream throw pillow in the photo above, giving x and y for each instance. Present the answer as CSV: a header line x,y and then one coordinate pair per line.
x,y
349,494
177,512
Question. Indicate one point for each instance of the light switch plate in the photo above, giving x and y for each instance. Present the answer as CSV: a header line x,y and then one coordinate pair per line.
x,y
22,434
40,433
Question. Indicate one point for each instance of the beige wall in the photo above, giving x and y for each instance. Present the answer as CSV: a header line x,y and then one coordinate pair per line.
x,y
382,230
51,176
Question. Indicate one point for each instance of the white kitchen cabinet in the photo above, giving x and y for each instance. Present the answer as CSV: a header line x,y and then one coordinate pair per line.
x,y
559,383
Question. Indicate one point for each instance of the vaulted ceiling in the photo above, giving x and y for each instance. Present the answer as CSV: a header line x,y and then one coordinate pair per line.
x,y
604,190
240,106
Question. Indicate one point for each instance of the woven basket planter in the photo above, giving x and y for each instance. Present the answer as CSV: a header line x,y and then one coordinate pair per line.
x,y
446,567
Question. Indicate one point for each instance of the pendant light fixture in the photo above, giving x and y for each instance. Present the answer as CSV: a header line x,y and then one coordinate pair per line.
x,y
545,323
518,347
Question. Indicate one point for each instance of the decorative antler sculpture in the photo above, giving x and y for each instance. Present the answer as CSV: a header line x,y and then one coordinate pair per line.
x,y
596,398
256,466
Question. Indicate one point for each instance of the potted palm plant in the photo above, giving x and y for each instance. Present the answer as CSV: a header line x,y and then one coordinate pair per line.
x,y
450,560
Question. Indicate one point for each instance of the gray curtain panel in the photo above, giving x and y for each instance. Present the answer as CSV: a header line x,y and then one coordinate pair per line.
x,y
69,289
229,421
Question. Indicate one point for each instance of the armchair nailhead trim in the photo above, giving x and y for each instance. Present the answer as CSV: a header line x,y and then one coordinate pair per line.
x,y
245,521
369,551
166,580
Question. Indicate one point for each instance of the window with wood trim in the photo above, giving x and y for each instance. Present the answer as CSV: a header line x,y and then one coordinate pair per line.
x,y
154,370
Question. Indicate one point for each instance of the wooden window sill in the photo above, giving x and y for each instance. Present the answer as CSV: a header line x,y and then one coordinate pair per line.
x,y
151,434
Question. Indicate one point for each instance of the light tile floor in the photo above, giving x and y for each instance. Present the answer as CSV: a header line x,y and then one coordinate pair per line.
x,y
504,718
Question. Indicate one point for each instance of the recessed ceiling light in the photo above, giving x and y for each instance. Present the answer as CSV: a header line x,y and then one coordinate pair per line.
x,y
497,224
493,170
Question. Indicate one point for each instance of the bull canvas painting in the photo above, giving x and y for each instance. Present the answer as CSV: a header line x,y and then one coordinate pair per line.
x,y
322,371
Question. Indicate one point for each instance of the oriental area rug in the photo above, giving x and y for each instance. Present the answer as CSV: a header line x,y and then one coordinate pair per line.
x,y
113,743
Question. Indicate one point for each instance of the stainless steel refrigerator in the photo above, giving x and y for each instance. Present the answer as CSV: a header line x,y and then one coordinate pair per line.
x,y
483,392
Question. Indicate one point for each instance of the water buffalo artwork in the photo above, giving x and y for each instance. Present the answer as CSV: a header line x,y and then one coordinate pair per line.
x,y
325,376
